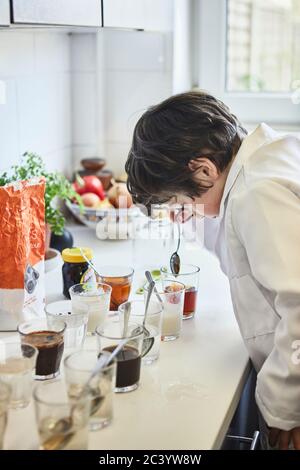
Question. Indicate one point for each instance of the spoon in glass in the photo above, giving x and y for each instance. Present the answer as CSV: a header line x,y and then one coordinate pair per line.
x,y
62,431
175,259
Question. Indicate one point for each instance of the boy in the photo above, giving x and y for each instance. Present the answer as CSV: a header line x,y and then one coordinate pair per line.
x,y
191,150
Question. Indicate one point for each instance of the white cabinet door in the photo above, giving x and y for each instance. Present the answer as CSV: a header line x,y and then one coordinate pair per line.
x,y
57,12
152,15
4,13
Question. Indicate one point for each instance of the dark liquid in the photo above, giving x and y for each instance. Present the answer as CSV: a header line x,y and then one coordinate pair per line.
x,y
190,301
50,346
128,366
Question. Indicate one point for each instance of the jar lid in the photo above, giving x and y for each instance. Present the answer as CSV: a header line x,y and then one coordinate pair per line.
x,y
73,255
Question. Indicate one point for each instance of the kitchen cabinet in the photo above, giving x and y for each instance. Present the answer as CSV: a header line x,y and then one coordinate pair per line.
x,y
152,15
4,13
57,12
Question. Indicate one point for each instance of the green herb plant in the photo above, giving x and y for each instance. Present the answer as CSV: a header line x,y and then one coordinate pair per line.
x,y
57,186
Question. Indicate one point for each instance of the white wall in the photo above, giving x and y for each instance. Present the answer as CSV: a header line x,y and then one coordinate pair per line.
x,y
79,95
35,67
117,75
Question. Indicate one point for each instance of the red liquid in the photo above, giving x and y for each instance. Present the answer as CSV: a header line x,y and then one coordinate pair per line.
x,y
190,301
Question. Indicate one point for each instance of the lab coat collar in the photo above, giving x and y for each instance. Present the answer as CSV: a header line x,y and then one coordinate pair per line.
x,y
262,134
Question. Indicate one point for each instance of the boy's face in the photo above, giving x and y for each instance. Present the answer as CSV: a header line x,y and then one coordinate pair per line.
x,y
207,205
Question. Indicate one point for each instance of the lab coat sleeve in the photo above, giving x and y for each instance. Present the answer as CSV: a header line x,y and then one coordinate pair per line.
x,y
266,218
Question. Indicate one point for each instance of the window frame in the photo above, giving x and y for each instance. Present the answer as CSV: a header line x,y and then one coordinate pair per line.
x,y
210,30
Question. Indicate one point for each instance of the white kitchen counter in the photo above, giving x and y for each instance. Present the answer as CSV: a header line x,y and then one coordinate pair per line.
x,y
186,400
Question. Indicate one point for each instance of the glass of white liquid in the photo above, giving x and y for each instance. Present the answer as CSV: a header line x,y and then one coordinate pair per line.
x,y
94,297
153,324
17,365
172,295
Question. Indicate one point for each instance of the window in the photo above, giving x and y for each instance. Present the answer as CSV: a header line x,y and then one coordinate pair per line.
x,y
263,45
248,54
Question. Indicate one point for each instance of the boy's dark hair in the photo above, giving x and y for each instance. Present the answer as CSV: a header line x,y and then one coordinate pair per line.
x,y
169,135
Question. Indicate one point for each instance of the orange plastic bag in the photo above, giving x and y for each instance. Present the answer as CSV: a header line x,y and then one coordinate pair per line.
x,y
22,249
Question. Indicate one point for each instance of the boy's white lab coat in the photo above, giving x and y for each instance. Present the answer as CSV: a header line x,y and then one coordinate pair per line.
x,y
257,239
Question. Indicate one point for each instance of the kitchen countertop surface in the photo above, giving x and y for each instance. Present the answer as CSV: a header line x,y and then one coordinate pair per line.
x,y
186,400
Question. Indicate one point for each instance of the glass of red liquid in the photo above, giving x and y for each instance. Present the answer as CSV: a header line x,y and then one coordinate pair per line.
x,y
189,276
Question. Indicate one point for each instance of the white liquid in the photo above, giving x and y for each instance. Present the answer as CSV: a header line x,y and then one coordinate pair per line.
x,y
98,308
172,319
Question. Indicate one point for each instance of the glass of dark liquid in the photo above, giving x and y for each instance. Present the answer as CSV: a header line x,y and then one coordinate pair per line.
x,y
189,276
128,360
48,338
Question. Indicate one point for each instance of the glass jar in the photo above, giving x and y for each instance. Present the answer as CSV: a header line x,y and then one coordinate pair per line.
x,y
75,269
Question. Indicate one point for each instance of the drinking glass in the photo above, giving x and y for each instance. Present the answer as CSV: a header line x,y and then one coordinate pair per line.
x,y
48,338
153,326
17,364
189,276
5,392
172,295
76,322
78,368
120,279
62,423
94,297
128,360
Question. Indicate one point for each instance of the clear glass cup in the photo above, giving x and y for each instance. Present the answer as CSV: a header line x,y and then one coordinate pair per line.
x,y
5,393
62,423
17,365
96,298
48,337
76,322
189,276
78,367
172,295
109,335
153,326
120,279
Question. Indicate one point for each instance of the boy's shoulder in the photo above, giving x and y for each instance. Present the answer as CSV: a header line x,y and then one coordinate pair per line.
x,y
277,160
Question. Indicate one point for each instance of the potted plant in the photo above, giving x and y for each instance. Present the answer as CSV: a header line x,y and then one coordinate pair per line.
x,y
57,188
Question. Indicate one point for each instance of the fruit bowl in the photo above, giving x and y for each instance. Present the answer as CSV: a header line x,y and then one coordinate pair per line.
x,y
92,216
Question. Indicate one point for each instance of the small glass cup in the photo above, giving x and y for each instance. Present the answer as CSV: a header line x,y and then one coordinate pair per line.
x,y
48,338
17,364
172,294
153,326
5,393
78,368
120,279
128,360
189,276
94,297
76,322
62,423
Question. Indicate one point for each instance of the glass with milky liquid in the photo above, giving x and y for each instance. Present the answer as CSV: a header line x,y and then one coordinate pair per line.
x,y
94,297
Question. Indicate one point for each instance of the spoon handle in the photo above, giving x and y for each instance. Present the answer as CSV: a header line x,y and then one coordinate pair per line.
x,y
150,281
179,237
89,262
150,290
103,362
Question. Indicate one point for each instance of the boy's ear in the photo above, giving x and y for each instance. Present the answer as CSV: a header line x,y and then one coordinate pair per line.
x,y
204,169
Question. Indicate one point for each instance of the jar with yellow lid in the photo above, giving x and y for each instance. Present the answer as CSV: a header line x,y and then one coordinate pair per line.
x,y
75,269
